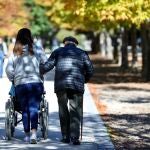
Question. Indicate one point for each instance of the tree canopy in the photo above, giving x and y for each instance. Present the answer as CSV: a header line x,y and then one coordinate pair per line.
x,y
13,16
90,15
93,15
38,20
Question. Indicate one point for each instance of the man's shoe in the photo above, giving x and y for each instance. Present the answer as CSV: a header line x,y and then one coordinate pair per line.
x,y
65,139
75,141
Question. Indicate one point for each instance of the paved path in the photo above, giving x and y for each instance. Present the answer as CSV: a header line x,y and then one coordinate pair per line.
x,y
95,136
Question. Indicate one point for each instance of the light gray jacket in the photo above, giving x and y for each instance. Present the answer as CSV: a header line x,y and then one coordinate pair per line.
x,y
25,68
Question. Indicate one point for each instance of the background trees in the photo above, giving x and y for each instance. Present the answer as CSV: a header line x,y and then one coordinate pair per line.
x,y
46,17
38,21
13,16
92,16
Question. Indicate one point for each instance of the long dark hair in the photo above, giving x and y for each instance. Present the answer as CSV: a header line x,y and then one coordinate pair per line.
x,y
24,37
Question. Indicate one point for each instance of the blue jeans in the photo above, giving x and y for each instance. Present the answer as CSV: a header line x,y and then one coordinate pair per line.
x,y
1,67
29,96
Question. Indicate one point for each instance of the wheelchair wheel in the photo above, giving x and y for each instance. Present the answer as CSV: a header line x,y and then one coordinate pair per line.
x,y
15,119
9,120
44,118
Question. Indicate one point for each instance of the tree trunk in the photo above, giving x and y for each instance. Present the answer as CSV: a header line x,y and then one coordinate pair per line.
x,y
133,43
95,45
115,54
114,39
145,52
124,51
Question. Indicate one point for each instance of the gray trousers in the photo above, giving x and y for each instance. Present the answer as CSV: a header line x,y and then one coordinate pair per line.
x,y
70,104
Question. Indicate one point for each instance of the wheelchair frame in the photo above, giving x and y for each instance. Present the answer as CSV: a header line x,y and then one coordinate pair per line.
x,y
11,119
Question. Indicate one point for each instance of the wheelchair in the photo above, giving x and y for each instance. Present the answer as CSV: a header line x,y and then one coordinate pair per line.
x,y
12,109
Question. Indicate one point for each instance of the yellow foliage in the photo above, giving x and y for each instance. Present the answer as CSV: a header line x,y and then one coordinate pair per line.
x,y
45,3
91,14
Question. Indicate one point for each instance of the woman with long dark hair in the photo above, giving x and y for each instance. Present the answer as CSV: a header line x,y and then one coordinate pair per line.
x,y
23,70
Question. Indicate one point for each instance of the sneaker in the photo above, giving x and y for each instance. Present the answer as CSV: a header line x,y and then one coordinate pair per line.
x,y
75,141
33,139
27,139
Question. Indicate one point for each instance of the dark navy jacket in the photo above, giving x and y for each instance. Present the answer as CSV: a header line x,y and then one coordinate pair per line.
x,y
73,68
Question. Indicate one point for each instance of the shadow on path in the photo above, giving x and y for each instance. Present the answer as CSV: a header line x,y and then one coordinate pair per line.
x,y
54,136
105,71
131,126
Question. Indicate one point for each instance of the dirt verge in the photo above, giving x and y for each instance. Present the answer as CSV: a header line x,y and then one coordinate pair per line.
x,y
123,101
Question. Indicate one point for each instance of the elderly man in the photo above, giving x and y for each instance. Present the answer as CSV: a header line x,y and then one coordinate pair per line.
x,y
73,69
